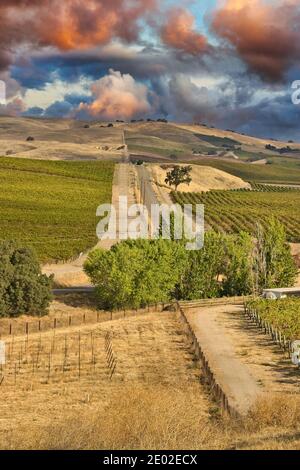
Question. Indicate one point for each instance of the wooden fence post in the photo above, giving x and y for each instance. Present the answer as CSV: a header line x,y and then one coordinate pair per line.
x,y
79,355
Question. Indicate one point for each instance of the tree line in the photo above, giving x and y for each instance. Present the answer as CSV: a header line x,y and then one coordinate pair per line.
x,y
135,273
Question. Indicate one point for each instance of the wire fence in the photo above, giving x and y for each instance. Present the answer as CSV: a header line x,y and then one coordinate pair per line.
x,y
32,325
253,315
58,358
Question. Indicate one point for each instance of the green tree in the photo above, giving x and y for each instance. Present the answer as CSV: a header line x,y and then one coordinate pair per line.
x,y
274,265
23,288
135,273
202,278
179,175
238,265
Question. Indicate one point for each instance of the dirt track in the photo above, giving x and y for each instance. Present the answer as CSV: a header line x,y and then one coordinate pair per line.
x,y
245,362
71,274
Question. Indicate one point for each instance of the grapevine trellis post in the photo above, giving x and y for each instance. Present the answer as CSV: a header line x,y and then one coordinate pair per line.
x,y
110,356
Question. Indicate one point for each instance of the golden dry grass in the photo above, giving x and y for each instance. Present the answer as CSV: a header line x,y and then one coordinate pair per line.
x,y
152,352
59,139
80,309
164,417
155,399
203,179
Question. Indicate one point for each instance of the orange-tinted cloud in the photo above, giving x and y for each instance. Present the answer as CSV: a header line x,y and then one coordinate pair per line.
x,y
13,108
179,33
117,96
266,35
70,24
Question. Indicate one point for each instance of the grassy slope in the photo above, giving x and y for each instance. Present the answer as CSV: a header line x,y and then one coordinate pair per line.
x,y
282,172
164,140
51,206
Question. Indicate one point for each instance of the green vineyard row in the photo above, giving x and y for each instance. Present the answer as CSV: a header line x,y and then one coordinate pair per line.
x,y
53,210
283,315
241,210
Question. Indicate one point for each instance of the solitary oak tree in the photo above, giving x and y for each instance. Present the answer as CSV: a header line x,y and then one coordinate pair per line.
x,y
179,175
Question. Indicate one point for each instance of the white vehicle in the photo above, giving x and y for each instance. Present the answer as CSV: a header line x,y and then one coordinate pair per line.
x,y
282,293
296,353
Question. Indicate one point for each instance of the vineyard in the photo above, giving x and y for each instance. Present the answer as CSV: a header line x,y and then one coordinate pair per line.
x,y
54,207
283,315
240,210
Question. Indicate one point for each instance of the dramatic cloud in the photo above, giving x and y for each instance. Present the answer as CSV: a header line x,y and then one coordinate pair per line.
x,y
187,100
14,108
117,96
71,24
266,35
52,50
179,33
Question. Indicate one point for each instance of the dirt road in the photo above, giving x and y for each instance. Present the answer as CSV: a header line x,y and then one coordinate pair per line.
x,y
234,377
245,362
71,274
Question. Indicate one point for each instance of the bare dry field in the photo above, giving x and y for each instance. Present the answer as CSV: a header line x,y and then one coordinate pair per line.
x,y
50,376
56,139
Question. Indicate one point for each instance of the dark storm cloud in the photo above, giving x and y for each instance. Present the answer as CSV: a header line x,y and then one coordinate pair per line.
x,y
71,66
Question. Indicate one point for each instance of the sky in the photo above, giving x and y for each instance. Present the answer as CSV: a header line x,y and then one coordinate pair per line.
x,y
227,63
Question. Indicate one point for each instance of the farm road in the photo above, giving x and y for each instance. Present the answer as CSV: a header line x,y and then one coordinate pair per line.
x,y
232,375
71,274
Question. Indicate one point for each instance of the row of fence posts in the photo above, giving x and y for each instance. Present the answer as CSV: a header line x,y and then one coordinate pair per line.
x,y
110,355
37,327
214,387
111,359
276,335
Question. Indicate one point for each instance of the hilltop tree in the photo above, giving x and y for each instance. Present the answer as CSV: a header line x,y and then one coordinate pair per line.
x,y
179,175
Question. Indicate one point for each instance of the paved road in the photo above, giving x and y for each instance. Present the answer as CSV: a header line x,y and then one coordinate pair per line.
x,y
231,373
74,290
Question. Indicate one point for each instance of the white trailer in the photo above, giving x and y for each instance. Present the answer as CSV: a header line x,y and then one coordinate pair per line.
x,y
281,293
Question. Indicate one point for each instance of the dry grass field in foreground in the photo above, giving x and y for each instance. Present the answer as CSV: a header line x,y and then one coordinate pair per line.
x,y
58,393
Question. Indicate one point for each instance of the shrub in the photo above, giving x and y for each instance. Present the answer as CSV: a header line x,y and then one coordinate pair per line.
x,y
23,288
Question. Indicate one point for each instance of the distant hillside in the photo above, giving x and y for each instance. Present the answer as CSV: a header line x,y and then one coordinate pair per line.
x,y
157,142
